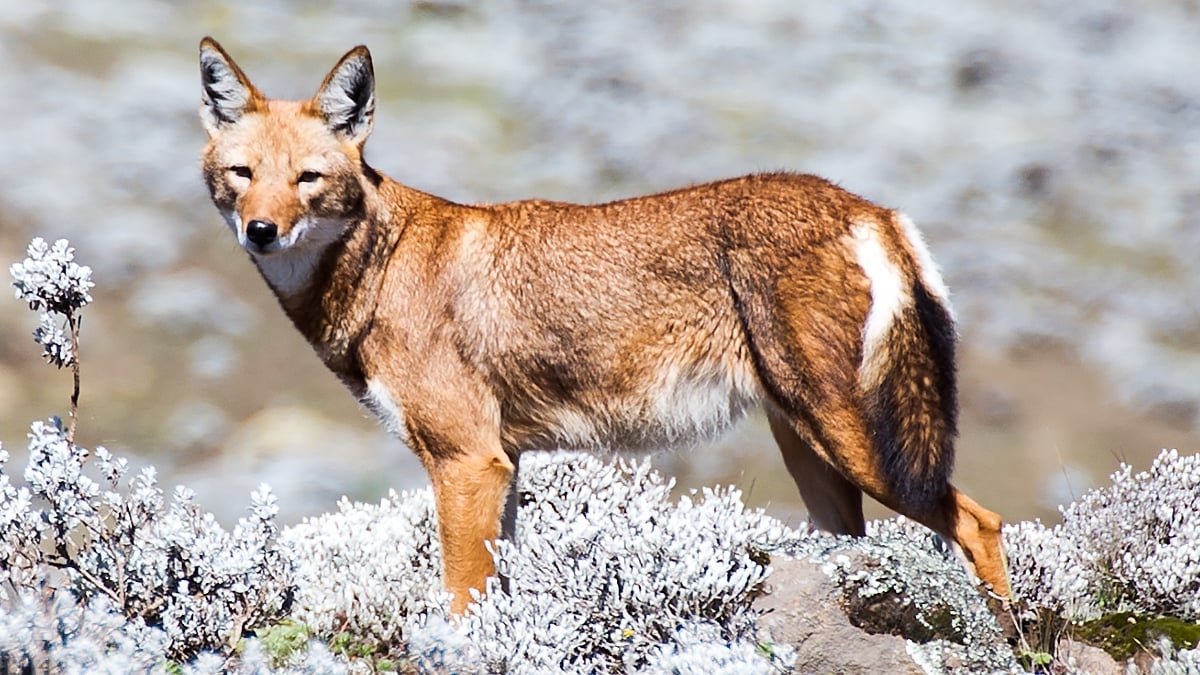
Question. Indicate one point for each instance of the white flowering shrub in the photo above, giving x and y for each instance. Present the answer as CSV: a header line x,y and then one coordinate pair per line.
x,y
44,630
1133,546
701,648
53,284
606,570
164,563
53,632
369,576
1171,661
607,575
80,528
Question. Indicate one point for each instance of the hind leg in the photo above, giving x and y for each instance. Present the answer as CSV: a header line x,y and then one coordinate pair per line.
x,y
834,503
976,530
840,435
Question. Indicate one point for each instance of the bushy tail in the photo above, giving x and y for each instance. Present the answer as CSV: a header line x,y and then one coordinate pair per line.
x,y
912,402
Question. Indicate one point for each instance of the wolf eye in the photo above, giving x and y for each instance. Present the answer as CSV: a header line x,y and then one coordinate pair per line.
x,y
241,171
307,177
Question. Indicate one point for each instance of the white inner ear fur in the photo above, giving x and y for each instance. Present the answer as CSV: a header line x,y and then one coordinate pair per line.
x,y
231,94
338,105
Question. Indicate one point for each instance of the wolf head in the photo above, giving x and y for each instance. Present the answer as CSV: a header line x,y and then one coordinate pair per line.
x,y
287,176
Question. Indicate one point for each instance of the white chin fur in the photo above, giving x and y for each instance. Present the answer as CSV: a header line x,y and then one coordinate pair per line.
x,y
289,271
289,262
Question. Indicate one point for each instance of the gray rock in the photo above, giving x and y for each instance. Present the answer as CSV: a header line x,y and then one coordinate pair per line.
x,y
1085,659
803,609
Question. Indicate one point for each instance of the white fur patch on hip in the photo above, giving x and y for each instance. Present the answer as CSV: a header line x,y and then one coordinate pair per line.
x,y
889,296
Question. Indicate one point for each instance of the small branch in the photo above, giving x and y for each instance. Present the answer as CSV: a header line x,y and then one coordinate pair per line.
x,y
66,562
235,635
74,322
99,585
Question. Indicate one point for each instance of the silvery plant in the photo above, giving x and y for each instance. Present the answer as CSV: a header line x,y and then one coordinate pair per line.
x,y
1133,546
57,288
97,562
608,574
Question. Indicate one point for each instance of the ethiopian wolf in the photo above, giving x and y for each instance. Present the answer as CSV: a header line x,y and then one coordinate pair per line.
x,y
477,333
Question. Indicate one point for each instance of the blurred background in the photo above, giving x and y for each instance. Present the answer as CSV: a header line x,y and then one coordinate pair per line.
x,y
1049,150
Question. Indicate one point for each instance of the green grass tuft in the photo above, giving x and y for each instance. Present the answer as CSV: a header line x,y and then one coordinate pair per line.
x,y
1125,633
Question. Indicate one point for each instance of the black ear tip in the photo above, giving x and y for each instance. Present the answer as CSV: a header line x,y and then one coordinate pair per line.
x,y
361,53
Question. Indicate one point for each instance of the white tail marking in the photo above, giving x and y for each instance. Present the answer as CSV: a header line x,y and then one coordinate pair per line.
x,y
889,297
930,275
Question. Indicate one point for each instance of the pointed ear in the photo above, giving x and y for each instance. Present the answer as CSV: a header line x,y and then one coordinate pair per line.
x,y
346,99
226,92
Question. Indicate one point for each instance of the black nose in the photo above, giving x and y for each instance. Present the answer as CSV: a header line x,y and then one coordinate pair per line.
x,y
261,232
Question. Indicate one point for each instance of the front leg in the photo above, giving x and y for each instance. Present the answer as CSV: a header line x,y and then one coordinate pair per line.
x,y
451,420
469,487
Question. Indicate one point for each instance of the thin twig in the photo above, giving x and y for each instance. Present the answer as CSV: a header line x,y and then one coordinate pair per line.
x,y
74,322
66,562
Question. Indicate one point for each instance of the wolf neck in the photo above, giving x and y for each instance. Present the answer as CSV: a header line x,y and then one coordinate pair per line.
x,y
331,297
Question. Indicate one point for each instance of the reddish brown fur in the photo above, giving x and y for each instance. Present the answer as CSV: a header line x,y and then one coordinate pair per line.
x,y
481,332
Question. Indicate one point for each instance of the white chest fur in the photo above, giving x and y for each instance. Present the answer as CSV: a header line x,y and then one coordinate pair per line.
x,y
380,401
289,272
